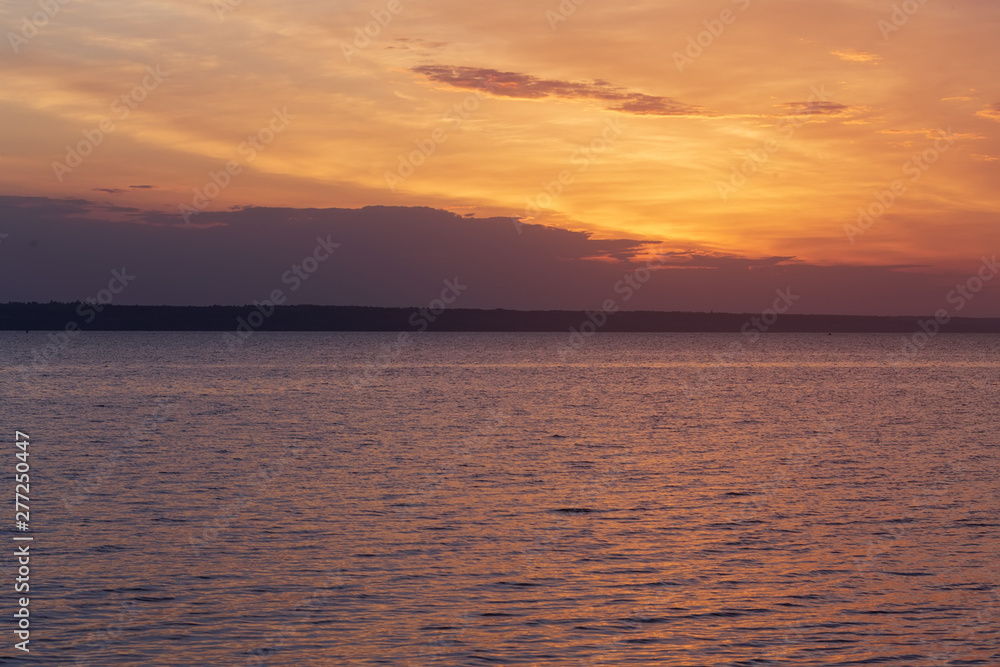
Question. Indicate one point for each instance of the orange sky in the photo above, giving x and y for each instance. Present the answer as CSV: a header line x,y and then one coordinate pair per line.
x,y
838,103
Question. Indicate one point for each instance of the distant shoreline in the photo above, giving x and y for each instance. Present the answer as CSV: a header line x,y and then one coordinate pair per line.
x,y
236,319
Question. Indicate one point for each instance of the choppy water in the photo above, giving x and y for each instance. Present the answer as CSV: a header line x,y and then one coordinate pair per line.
x,y
325,499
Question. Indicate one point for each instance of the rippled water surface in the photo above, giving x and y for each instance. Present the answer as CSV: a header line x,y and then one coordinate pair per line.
x,y
475,499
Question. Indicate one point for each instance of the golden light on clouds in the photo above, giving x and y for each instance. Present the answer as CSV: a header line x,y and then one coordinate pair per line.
x,y
506,110
993,112
855,56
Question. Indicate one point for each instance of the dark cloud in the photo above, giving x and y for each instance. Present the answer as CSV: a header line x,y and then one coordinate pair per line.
x,y
27,209
526,86
394,256
143,187
110,191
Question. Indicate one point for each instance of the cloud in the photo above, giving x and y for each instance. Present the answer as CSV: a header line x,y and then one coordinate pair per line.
x,y
817,108
992,112
932,133
411,44
855,56
526,86
143,187
110,191
399,256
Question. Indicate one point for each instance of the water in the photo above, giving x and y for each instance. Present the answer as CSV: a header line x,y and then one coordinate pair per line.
x,y
473,499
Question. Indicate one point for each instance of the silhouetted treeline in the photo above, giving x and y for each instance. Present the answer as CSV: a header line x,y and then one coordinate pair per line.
x,y
72,316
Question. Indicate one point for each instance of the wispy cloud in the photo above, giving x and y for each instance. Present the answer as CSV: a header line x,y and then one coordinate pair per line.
x,y
817,108
992,112
855,56
526,86
931,133
414,44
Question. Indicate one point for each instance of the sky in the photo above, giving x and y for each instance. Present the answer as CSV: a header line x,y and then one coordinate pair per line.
x,y
852,146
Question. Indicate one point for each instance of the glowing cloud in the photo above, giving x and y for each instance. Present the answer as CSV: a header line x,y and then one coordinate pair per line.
x,y
855,56
992,112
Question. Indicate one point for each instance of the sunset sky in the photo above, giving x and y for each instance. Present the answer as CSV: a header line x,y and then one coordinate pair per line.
x,y
490,104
